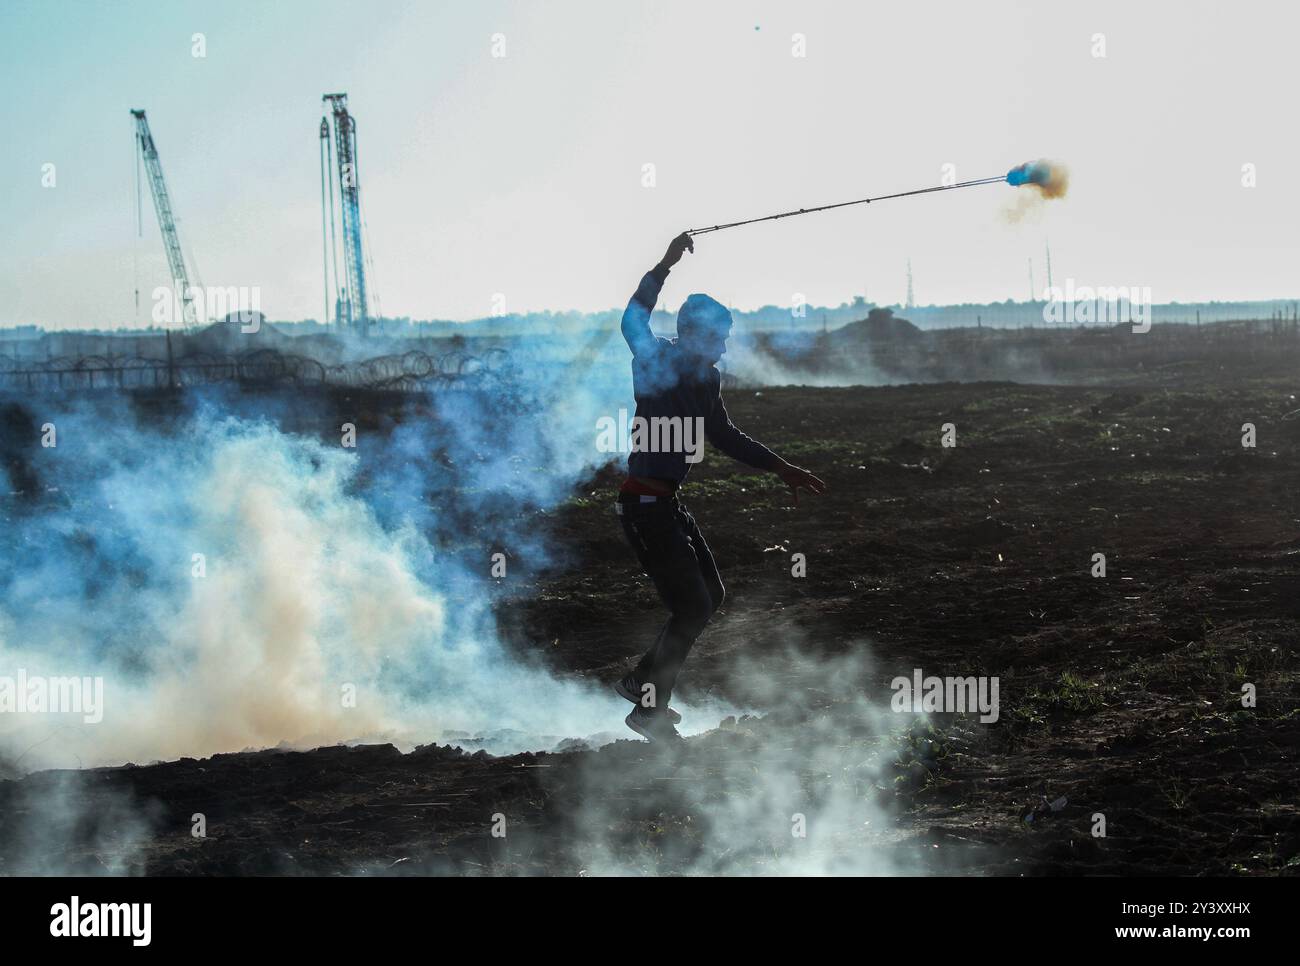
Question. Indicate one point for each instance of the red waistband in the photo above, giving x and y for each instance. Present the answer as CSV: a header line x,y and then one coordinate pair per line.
x,y
637,488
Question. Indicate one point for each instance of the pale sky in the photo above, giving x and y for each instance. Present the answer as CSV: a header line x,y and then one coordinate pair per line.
x,y
522,175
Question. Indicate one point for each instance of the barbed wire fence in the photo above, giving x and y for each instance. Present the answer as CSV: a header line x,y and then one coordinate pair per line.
x,y
413,371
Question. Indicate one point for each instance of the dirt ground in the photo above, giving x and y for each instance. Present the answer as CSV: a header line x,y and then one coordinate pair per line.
x,y
1120,696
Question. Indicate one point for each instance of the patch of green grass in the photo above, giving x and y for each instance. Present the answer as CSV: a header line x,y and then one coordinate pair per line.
x,y
1175,795
1069,694
1006,400
1164,478
824,451
1075,694
918,752
731,486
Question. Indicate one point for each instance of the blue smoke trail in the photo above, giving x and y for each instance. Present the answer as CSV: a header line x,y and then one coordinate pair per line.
x,y
1031,172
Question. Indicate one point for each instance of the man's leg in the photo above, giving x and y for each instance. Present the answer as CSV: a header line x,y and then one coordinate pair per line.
x,y
708,567
684,627
673,553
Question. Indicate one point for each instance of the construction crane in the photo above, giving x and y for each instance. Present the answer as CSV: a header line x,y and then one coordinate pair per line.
x,y
351,308
166,220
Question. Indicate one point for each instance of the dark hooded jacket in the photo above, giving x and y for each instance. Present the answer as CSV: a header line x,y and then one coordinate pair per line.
x,y
667,382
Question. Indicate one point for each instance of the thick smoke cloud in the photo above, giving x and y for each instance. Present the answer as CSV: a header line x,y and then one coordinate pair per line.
x,y
328,571
812,787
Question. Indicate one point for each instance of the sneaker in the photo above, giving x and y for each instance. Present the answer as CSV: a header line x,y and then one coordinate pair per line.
x,y
650,724
630,688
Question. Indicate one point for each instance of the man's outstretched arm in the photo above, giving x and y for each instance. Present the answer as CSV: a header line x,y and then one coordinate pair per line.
x,y
636,317
723,434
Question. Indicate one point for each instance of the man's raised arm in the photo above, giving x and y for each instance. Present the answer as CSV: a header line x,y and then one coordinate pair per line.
x,y
636,317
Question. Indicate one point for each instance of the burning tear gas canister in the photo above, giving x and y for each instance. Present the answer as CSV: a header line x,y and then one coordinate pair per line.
x,y
1049,177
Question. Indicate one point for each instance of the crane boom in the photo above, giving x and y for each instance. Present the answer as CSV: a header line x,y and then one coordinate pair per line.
x,y
166,221
355,312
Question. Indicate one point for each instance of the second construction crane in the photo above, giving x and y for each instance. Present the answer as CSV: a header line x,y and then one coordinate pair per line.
x,y
166,219
351,297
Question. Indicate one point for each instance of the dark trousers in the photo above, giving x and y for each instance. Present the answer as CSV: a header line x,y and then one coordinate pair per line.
x,y
673,554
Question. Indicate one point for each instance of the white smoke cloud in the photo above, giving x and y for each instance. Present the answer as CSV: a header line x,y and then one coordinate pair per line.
x,y
808,789
328,574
